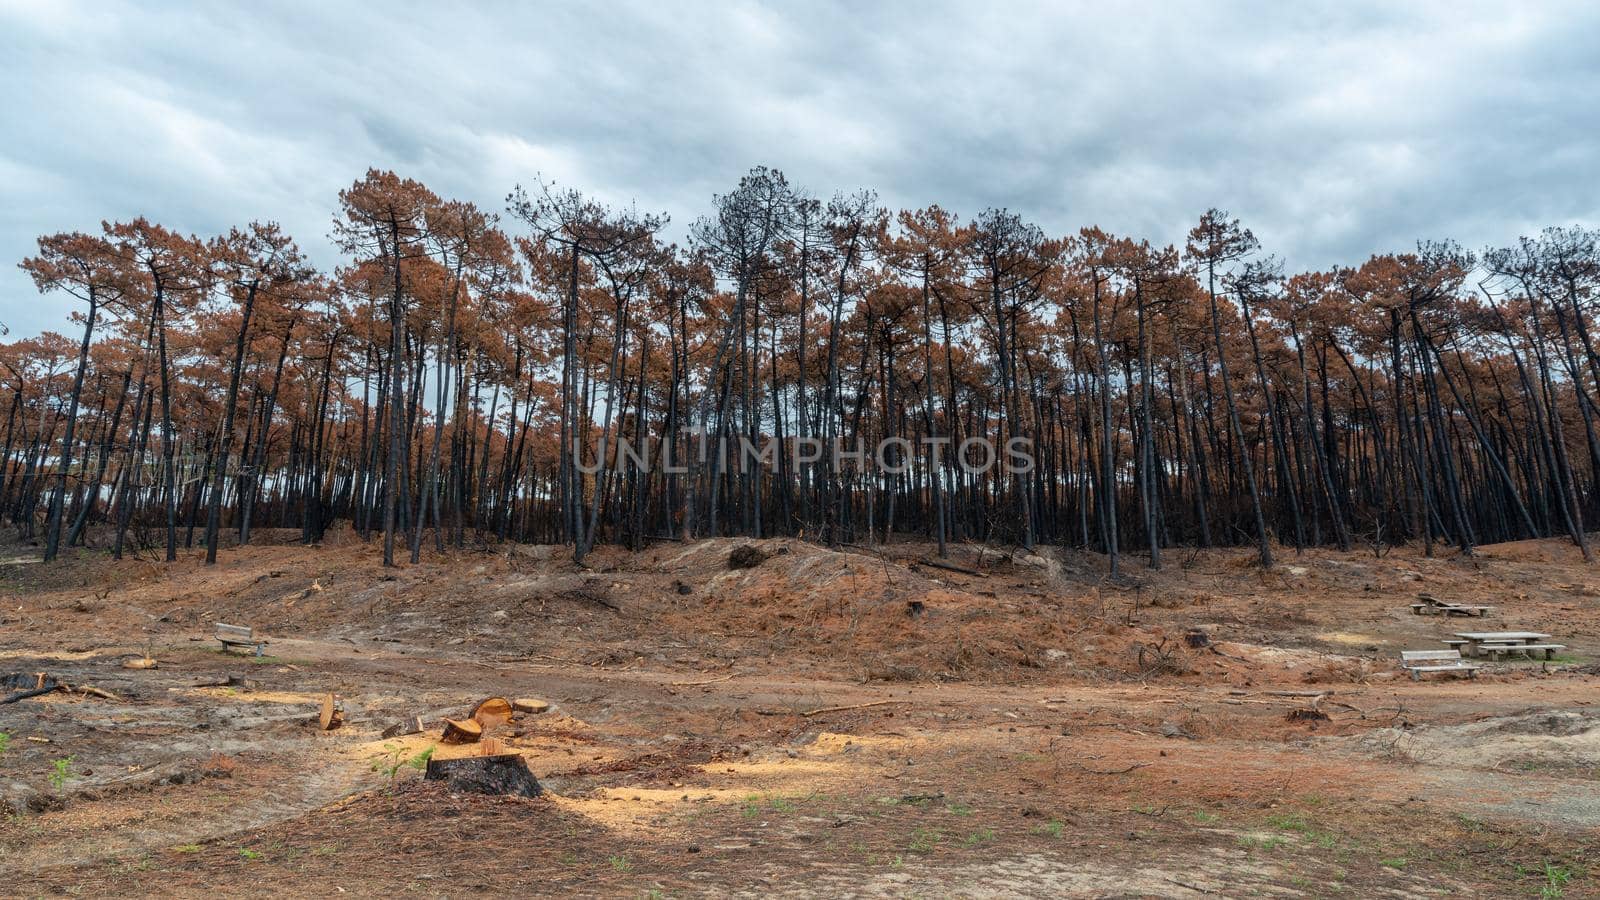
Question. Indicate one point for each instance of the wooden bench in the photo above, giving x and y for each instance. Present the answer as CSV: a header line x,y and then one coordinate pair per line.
x,y
1494,650
235,638
1418,661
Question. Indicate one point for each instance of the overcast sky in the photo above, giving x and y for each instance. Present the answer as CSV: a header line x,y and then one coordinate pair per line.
x,y
1333,131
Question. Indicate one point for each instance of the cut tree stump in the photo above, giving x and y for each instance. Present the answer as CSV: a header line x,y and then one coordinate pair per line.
x,y
529,705
34,684
461,731
491,712
505,773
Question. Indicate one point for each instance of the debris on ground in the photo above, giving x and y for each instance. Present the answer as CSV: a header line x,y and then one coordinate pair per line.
x,y
747,556
412,725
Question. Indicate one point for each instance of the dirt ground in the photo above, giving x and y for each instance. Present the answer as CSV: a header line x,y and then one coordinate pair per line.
x,y
850,723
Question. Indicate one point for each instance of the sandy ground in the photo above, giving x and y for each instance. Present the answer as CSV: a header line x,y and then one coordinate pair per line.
x,y
823,723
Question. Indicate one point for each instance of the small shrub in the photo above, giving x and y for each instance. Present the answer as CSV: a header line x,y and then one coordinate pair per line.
x,y
61,773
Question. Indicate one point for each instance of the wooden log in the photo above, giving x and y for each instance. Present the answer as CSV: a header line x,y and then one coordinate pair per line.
x,y
505,774
951,567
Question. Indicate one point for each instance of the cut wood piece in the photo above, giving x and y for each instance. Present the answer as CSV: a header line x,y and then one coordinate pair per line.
x,y
330,717
530,705
505,773
461,731
412,725
139,662
491,712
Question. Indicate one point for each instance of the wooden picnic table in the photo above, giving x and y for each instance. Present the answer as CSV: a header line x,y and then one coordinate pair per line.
x,y
1475,640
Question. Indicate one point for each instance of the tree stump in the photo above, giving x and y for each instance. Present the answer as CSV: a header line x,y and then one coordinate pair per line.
x,y
491,712
505,773
461,731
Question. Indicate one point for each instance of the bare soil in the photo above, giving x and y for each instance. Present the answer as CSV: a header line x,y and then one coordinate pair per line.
x,y
849,722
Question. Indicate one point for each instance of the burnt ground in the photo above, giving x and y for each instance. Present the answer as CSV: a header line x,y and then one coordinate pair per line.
x,y
820,723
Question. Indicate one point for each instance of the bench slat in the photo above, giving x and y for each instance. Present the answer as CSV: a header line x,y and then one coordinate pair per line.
x,y
1410,655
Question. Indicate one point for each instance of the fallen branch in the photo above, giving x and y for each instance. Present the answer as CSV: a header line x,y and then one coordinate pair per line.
x,y
829,709
23,695
1114,771
952,567
91,691
1297,693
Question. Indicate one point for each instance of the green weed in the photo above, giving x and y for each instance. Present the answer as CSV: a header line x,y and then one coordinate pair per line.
x,y
61,773
923,840
981,836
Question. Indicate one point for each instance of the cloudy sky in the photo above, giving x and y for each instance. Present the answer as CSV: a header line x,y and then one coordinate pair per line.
x,y
1332,130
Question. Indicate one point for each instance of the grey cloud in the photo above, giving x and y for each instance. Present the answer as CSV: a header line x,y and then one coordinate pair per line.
x,y
1334,130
